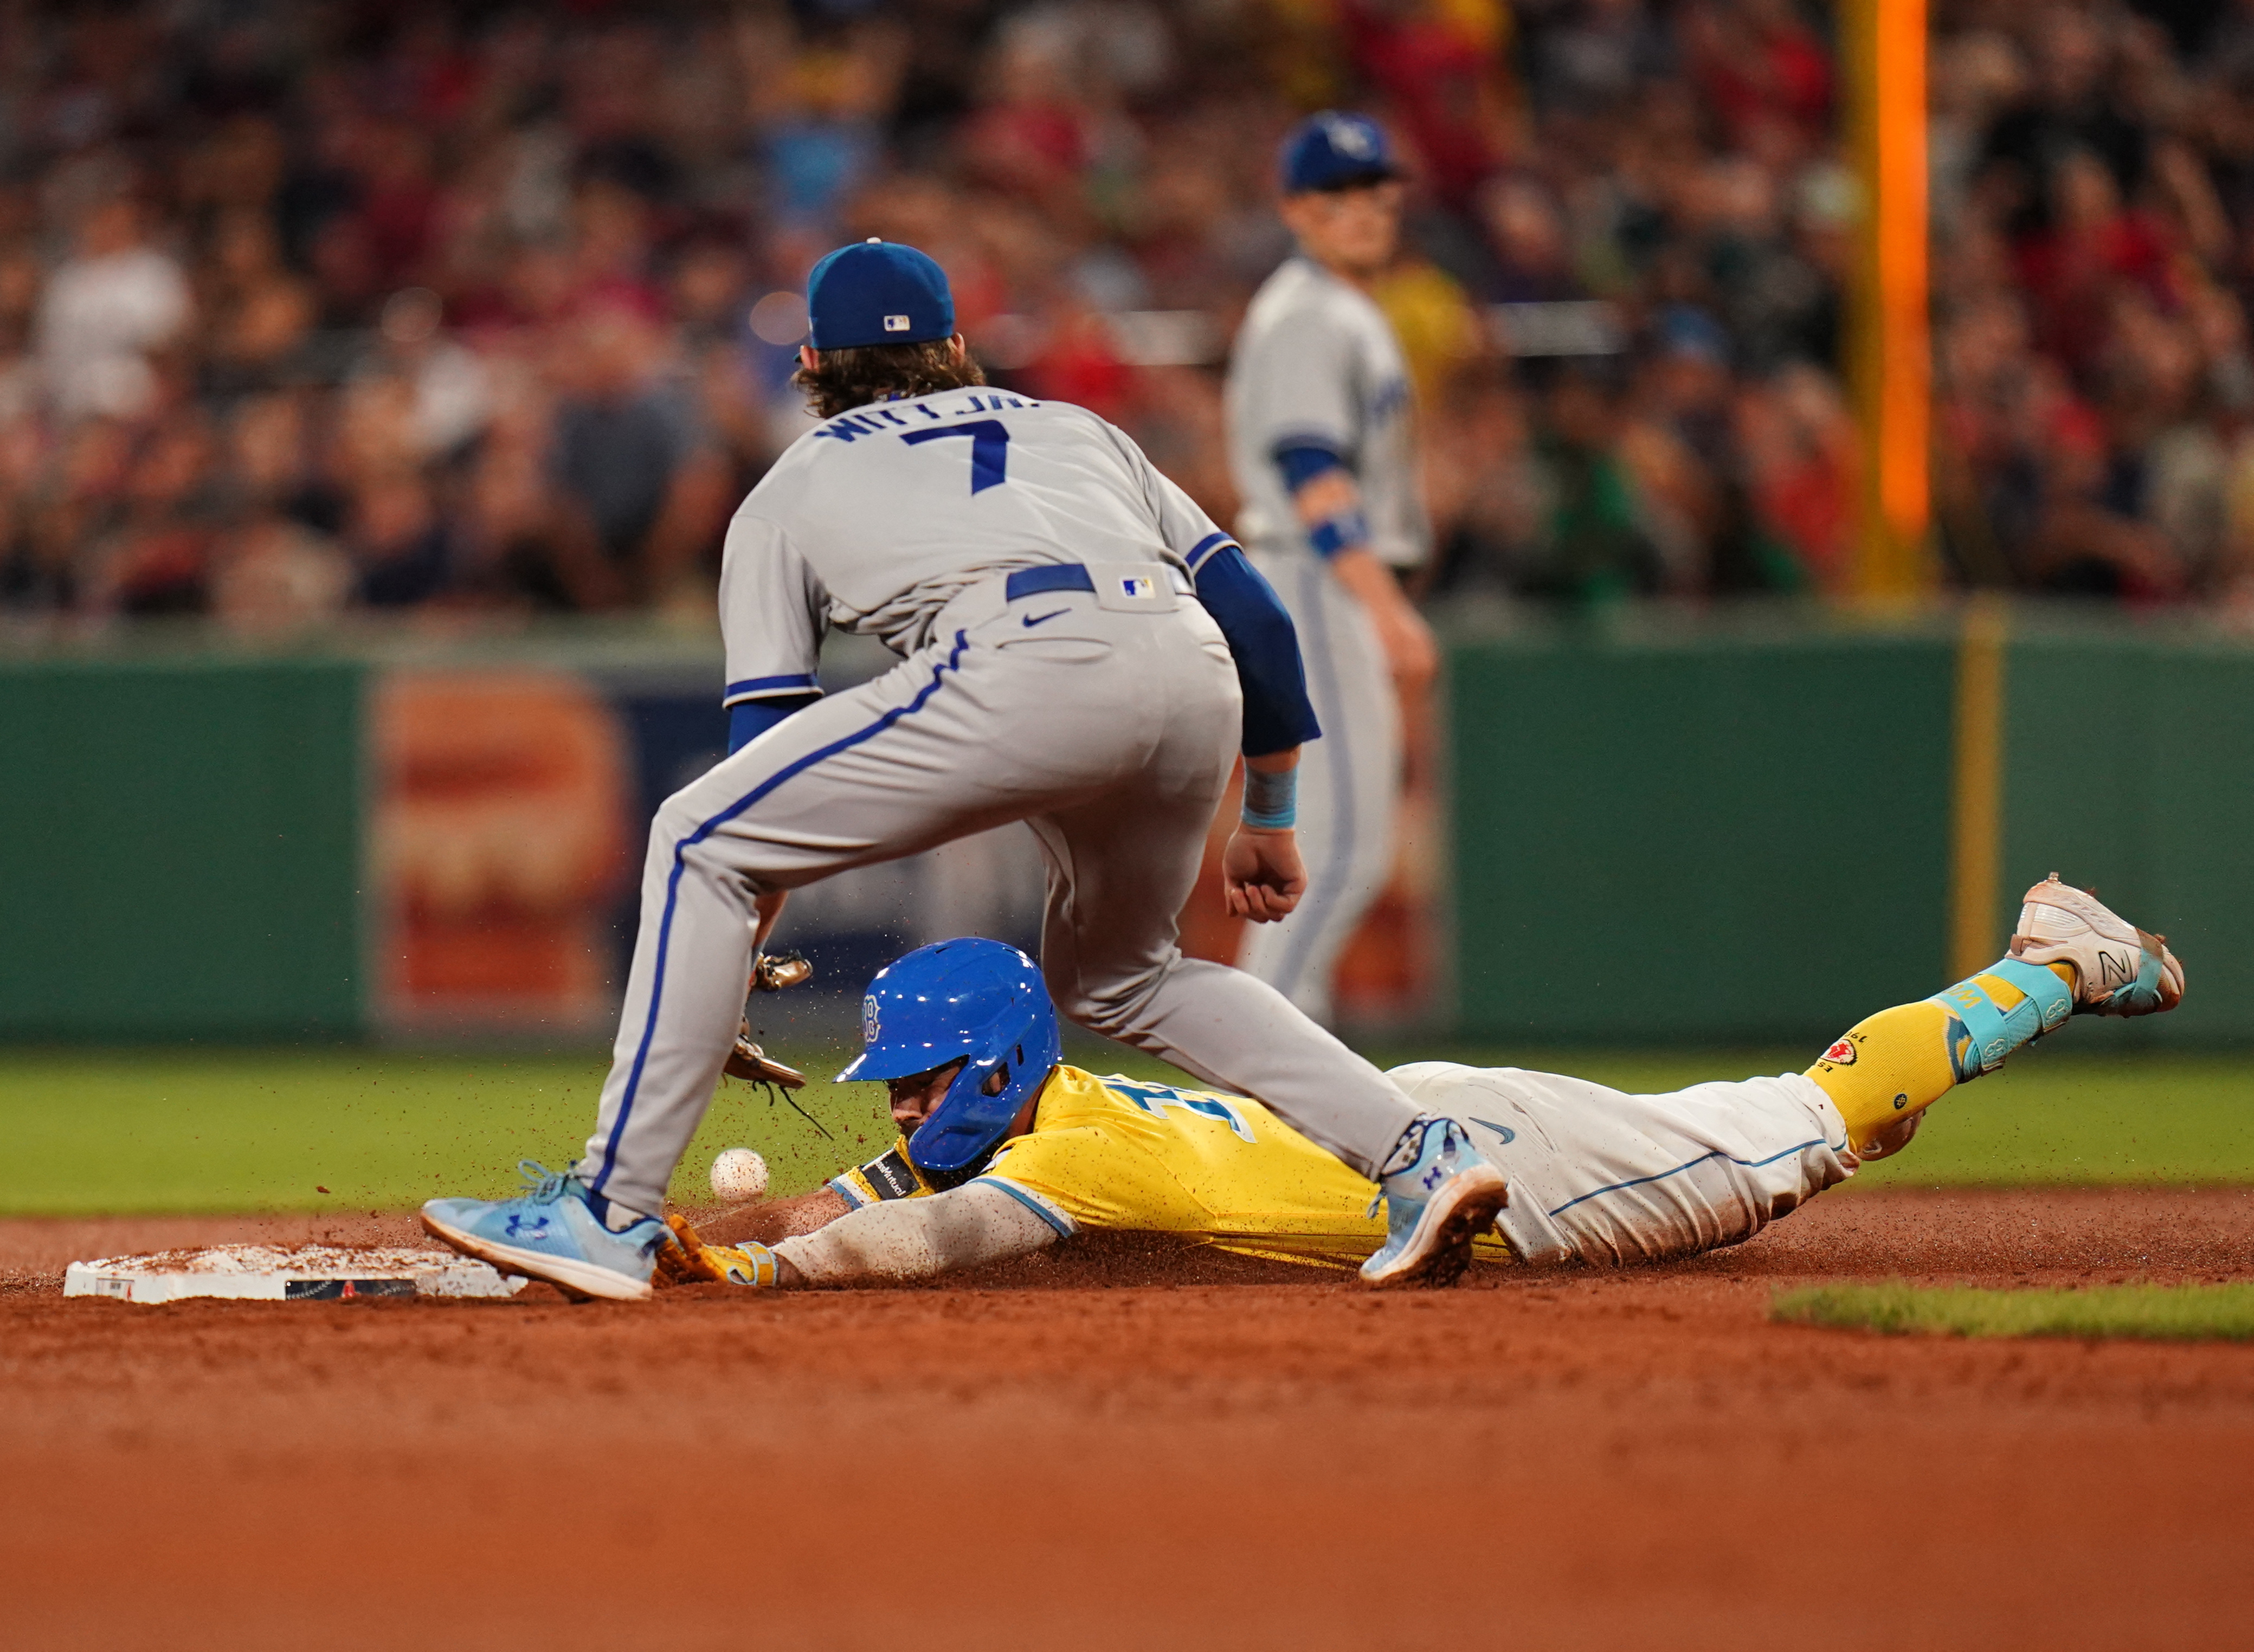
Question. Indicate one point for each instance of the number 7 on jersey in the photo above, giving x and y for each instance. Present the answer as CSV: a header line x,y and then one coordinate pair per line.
x,y
990,450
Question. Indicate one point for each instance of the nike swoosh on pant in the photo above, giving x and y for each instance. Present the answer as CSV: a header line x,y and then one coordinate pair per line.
x,y
1030,620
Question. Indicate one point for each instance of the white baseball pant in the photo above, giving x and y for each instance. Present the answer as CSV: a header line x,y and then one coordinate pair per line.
x,y
1604,1177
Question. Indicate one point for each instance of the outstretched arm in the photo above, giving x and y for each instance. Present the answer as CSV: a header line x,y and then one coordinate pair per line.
x,y
891,1175
890,1243
967,1227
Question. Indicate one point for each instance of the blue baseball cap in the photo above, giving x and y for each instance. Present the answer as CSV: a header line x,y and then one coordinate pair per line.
x,y
1335,150
878,292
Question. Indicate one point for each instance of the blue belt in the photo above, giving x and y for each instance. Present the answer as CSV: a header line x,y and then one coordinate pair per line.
x,y
1070,576
1061,576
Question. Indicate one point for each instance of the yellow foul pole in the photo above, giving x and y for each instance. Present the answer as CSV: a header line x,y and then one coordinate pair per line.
x,y
1890,367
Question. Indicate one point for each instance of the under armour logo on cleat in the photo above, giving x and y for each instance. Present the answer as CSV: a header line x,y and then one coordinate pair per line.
x,y
520,1228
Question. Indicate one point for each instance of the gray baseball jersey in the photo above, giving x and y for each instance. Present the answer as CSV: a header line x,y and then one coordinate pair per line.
x,y
1316,363
1107,719
873,521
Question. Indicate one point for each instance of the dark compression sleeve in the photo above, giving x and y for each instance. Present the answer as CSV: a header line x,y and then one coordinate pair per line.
x,y
748,719
1245,606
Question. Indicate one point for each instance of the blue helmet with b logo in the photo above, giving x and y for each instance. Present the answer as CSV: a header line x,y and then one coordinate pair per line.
x,y
977,999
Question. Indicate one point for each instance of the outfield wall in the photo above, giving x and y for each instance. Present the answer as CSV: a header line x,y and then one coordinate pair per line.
x,y
1688,840
180,849
1724,835
1719,833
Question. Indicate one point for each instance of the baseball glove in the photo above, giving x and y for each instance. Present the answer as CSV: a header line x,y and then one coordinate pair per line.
x,y
773,973
747,1060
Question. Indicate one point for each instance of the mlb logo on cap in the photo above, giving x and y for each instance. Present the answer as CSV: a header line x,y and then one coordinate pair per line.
x,y
878,292
1335,150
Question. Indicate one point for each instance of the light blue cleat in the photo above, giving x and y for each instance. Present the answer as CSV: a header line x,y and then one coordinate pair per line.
x,y
552,1233
1434,1208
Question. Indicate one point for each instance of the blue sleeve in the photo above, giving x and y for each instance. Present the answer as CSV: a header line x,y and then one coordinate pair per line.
x,y
1276,714
1303,460
748,719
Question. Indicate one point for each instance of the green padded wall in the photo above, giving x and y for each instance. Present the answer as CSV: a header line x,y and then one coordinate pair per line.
x,y
180,850
2129,766
1700,841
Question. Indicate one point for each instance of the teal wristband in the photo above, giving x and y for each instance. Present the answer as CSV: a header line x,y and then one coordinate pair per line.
x,y
1342,532
1271,801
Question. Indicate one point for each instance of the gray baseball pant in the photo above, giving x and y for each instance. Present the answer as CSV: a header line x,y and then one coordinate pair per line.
x,y
1111,734
1349,784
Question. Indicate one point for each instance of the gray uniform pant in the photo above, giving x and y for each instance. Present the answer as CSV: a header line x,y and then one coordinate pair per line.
x,y
1110,734
1349,784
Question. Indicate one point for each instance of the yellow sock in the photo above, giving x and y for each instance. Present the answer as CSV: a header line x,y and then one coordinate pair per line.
x,y
1901,1060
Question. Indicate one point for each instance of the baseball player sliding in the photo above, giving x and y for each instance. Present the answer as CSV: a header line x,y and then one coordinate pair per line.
x,y
1080,649
1594,1175
1320,444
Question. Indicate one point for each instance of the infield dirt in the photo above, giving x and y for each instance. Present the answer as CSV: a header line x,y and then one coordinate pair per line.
x,y
1089,1452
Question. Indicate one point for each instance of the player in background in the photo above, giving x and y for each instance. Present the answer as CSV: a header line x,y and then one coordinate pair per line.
x,y
1320,443
1081,650
1595,1175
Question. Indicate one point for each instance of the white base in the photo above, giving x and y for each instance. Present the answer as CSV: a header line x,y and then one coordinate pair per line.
x,y
278,1273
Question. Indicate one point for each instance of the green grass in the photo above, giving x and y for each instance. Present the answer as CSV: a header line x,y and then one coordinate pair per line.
x,y
2177,1313
174,1130
149,1131
116,1131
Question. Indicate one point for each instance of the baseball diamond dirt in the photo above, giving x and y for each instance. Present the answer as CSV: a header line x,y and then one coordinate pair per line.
x,y
1130,1448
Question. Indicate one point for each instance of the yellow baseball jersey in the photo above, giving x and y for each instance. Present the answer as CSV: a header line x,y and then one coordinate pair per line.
x,y
1124,1155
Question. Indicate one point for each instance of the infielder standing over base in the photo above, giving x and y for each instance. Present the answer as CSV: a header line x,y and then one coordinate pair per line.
x,y
1081,651
1321,445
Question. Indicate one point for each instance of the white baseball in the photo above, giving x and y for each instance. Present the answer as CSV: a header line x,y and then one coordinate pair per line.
x,y
739,1174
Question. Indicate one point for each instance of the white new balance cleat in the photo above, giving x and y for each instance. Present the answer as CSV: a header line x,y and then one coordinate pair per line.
x,y
2119,968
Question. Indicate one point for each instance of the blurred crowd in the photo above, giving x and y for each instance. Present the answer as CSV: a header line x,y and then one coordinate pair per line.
x,y
315,306
2093,179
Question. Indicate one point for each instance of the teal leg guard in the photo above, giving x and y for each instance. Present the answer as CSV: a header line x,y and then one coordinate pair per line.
x,y
1981,1033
